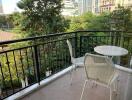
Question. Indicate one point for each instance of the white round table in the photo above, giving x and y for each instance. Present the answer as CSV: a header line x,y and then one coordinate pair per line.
x,y
113,51
110,50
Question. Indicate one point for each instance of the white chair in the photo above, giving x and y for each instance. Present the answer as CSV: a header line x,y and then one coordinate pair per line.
x,y
76,62
100,70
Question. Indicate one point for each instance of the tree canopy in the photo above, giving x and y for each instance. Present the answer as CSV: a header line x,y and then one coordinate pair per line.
x,y
42,16
89,21
119,19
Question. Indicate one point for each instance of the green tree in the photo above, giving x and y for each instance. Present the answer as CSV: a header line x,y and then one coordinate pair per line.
x,y
2,20
89,21
121,19
99,22
42,16
15,19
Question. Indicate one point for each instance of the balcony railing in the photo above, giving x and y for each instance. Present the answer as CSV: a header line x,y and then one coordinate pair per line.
x,y
25,62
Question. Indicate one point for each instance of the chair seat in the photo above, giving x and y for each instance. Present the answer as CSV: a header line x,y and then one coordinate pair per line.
x,y
78,61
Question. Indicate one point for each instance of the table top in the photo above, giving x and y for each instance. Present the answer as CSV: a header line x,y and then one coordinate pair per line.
x,y
108,50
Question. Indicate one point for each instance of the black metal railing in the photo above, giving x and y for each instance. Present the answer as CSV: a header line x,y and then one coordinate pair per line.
x,y
24,62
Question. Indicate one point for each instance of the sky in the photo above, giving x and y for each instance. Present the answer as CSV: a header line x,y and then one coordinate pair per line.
x,y
9,6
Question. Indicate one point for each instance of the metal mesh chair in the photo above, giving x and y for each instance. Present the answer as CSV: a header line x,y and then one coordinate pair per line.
x,y
75,61
101,70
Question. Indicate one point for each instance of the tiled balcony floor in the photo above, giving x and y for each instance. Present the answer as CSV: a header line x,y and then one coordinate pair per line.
x,y
61,89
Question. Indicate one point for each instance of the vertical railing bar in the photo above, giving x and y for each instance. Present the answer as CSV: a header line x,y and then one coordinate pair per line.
x,y
49,56
80,45
3,77
16,67
22,66
37,66
55,54
107,39
61,62
44,59
88,43
33,60
63,54
76,45
128,40
96,39
52,58
27,61
39,56
9,71
112,38
59,56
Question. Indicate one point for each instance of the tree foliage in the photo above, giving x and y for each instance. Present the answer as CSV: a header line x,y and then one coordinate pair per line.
x,y
42,16
15,19
121,19
89,21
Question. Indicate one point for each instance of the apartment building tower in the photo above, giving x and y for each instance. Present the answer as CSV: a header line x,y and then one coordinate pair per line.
x,y
127,3
69,8
110,5
107,5
89,6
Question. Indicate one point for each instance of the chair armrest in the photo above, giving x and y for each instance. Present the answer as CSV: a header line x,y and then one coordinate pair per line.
x,y
124,69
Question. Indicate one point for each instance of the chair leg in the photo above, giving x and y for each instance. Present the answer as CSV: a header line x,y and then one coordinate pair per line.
x,y
83,89
110,94
71,74
116,93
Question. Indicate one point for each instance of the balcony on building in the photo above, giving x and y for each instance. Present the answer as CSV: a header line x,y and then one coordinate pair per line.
x,y
38,68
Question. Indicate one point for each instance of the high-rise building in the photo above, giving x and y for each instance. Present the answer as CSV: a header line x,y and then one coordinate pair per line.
x,y
1,7
69,8
96,6
127,3
107,5
110,5
89,6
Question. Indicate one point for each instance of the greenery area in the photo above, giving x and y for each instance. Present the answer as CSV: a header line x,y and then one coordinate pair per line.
x,y
44,17
40,17
120,19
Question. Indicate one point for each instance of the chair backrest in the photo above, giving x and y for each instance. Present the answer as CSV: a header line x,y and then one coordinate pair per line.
x,y
70,49
99,68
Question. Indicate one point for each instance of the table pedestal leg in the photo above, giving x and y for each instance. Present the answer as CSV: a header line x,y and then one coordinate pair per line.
x,y
116,60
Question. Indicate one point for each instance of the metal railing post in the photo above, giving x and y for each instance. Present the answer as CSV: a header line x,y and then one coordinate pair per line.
x,y
76,45
37,66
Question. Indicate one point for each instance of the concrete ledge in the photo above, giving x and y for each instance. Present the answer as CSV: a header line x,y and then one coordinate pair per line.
x,y
124,69
37,86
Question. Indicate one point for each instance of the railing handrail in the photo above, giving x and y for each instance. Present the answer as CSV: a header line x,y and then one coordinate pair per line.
x,y
50,35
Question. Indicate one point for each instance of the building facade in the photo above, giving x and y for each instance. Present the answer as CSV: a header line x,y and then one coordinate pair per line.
x,y
70,8
97,6
89,6
107,5
110,5
127,3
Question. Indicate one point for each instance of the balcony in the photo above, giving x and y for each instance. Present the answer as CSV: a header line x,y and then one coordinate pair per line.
x,y
43,64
